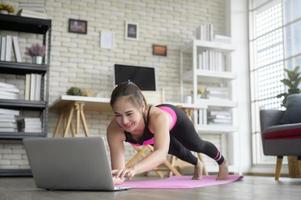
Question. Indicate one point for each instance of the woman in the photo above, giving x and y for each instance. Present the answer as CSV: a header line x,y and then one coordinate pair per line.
x,y
165,127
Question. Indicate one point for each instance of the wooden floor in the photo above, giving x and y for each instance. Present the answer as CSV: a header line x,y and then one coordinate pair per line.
x,y
250,188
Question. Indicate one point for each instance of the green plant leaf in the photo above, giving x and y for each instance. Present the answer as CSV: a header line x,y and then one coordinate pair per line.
x,y
281,95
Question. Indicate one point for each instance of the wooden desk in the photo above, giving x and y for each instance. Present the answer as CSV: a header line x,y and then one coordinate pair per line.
x,y
72,108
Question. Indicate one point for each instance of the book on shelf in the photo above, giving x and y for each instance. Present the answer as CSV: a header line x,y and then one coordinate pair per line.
x,y
210,60
33,87
9,43
17,50
31,13
8,129
8,124
7,85
8,48
3,48
7,118
34,6
219,117
8,95
222,38
4,111
37,92
204,32
27,87
8,91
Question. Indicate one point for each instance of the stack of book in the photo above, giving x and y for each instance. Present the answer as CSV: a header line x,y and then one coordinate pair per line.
x,y
30,125
219,117
8,120
32,14
222,38
218,93
32,9
38,6
8,91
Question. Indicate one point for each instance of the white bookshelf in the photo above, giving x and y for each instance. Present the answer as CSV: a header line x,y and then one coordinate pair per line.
x,y
208,45
209,75
196,74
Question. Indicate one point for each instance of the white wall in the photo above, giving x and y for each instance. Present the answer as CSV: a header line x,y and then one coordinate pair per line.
x,y
77,60
240,62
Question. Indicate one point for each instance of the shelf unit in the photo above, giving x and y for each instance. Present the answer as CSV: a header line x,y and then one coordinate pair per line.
x,y
28,25
195,72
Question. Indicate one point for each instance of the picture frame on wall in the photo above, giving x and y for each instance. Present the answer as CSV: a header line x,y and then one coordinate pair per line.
x,y
77,26
131,31
159,50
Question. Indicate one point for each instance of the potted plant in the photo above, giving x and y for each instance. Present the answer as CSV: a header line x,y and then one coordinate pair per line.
x,y
292,82
36,51
6,8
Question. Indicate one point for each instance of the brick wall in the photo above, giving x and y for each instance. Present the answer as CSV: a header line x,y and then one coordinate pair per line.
x,y
78,60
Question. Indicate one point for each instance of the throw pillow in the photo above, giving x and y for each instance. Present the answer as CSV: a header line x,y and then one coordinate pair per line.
x,y
293,110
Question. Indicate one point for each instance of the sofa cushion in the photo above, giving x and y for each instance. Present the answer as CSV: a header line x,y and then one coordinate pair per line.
x,y
293,110
287,131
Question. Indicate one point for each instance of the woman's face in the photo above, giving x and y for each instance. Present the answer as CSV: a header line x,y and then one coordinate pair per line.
x,y
127,114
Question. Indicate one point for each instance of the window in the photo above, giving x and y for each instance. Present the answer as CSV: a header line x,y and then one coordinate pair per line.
x,y
275,44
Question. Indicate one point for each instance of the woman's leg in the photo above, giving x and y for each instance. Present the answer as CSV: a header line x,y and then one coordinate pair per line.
x,y
181,152
177,149
186,134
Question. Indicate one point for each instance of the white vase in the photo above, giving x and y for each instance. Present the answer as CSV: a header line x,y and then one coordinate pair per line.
x,y
37,59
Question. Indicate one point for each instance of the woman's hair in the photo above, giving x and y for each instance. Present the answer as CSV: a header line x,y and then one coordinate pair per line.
x,y
128,89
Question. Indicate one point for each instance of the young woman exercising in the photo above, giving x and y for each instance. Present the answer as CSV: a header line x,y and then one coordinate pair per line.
x,y
164,126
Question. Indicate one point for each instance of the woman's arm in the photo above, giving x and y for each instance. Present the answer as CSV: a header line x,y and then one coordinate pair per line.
x,y
159,125
115,139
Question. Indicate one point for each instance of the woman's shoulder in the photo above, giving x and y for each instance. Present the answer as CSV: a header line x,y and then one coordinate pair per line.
x,y
157,116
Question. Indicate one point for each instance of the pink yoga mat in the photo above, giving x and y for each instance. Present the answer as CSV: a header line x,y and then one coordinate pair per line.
x,y
180,182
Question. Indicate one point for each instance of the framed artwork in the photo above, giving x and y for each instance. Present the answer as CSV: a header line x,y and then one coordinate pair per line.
x,y
131,31
77,26
159,50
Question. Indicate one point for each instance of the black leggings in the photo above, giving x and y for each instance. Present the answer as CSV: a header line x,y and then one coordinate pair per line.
x,y
184,139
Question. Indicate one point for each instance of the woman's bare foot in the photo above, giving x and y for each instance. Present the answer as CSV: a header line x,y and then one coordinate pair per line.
x,y
198,171
223,171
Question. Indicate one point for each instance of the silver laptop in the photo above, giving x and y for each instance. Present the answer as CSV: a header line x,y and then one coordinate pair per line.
x,y
70,163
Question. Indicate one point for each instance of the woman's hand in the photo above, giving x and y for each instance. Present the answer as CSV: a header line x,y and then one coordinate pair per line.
x,y
127,173
117,180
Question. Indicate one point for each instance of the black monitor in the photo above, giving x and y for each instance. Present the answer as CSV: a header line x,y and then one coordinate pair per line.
x,y
144,77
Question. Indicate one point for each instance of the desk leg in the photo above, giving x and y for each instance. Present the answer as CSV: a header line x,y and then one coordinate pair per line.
x,y
58,124
72,128
69,121
82,114
77,108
